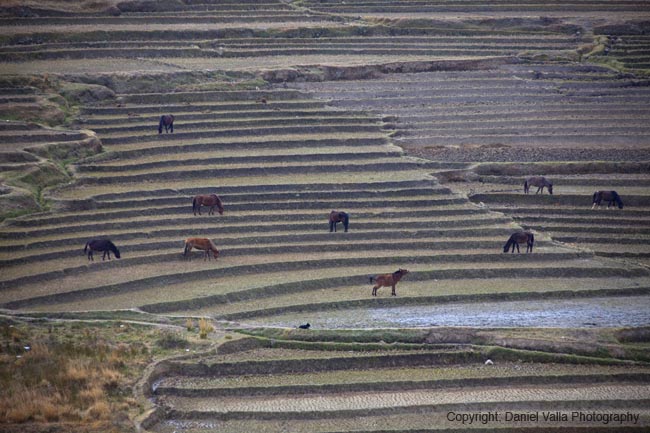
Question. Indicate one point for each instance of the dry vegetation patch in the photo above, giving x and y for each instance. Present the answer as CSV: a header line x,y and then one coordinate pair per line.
x,y
79,376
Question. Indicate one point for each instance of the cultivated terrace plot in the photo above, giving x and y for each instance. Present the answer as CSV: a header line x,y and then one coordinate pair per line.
x,y
418,123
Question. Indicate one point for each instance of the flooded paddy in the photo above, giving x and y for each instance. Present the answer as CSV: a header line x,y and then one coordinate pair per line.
x,y
566,313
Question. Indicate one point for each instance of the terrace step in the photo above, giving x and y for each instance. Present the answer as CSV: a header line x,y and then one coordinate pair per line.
x,y
183,282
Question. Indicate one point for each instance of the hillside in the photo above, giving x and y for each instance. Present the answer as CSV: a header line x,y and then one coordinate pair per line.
x,y
422,120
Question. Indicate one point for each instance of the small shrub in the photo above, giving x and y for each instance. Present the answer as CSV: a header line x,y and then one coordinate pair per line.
x,y
205,328
189,324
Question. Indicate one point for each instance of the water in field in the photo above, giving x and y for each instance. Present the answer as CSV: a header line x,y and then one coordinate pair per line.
x,y
570,313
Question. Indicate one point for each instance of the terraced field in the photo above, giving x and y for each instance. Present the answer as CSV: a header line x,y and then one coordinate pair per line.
x,y
518,121
420,119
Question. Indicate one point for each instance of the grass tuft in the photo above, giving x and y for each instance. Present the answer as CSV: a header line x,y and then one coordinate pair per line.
x,y
205,328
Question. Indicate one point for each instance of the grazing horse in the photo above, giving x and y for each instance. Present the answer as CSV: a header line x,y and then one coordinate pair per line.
x,y
385,280
337,217
517,238
103,245
211,200
609,196
166,120
201,244
540,182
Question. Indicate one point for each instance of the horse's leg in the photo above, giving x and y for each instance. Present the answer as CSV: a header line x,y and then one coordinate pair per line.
x,y
171,127
90,256
393,292
331,226
374,290
211,211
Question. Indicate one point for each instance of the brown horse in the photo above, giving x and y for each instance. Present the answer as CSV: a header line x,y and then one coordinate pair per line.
x,y
201,244
337,217
540,182
609,196
101,245
211,200
385,280
517,238
166,120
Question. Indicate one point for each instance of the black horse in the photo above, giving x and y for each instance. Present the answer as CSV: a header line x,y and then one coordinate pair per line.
x,y
102,245
517,238
337,217
166,120
609,196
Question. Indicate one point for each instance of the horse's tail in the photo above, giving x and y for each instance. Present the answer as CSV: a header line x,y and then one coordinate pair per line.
x,y
194,204
526,187
160,124
86,247
187,247
595,197
371,278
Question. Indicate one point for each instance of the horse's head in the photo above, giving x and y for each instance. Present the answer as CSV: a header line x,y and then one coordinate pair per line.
x,y
618,200
401,272
215,252
550,188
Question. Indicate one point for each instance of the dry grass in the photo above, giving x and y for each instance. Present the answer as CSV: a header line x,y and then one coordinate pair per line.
x,y
205,327
69,375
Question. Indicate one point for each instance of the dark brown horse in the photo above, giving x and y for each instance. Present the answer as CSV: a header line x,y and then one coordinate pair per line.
x,y
166,120
385,280
211,200
610,197
337,217
518,238
101,245
540,182
201,244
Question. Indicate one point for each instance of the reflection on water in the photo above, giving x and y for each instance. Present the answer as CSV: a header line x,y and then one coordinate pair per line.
x,y
569,313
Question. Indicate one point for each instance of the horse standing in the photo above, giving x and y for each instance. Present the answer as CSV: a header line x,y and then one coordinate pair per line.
x,y
211,200
518,238
609,196
337,217
385,280
201,244
101,245
166,120
540,182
